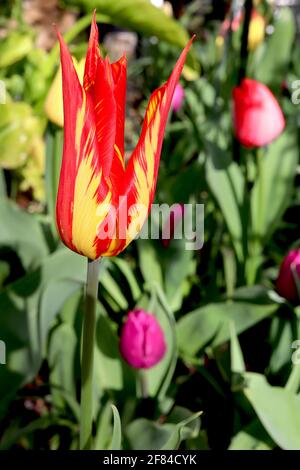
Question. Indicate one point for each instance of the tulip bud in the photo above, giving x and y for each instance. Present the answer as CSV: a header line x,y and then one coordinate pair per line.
x,y
178,98
286,282
142,342
257,116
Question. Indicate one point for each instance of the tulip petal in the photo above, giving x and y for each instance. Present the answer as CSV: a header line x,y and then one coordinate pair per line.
x,y
83,187
99,85
139,182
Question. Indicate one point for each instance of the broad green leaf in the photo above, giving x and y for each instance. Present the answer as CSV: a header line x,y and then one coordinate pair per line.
x,y
116,442
19,128
104,428
54,296
54,145
61,359
19,325
159,377
209,325
128,273
14,47
22,232
108,368
149,262
236,355
278,410
279,164
180,432
114,290
252,437
142,17
145,434
226,183
272,60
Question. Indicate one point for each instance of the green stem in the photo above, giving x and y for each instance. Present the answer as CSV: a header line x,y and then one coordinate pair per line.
x,y
143,383
258,224
260,209
87,355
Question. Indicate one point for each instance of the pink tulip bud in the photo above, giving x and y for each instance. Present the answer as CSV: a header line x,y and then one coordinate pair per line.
x,y
286,283
178,97
168,231
142,342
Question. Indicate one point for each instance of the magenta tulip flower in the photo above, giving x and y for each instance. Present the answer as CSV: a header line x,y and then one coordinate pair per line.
x,y
286,284
142,342
178,98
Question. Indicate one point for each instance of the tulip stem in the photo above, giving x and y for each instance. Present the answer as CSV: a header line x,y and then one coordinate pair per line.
x,y
143,383
87,355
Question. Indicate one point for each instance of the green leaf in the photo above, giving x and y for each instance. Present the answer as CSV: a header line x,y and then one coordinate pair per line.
x,y
19,325
180,433
108,368
54,296
128,273
279,163
252,437
19,128
114,290
272,60
61,359
226,183
277,408
14,47
104,428
236,355
116,442
22,232
145,434
209,325
149,262
159,377
142,17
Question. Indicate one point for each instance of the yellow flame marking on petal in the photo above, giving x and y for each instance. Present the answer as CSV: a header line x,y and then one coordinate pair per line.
x,y
79,124
144,180
86,214
119,155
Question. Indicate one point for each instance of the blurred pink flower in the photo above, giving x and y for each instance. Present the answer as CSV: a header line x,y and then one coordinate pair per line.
x,y
178,98
176,216
142,342
257,116
286,284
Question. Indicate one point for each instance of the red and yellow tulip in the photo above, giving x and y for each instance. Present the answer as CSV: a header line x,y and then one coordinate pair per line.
x,y
101,204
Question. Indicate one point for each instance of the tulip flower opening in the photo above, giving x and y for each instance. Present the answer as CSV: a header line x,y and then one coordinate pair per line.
x,y
101,204
257,116
142,342
286,283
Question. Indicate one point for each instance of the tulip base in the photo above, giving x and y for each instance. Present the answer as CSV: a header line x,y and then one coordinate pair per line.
x,y
87,355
